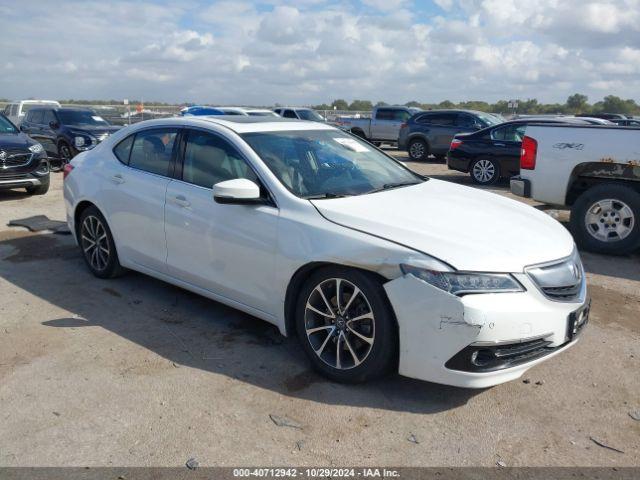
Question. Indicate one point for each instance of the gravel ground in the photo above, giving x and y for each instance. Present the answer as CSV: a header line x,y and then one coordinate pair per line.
x,y
135,372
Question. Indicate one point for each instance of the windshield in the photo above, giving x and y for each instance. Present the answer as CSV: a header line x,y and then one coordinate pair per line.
x,y
491,119
310,115
6,126
81,117
327,163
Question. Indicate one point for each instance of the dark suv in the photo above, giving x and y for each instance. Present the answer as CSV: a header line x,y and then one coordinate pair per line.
x,y
23,161
430,133
64,132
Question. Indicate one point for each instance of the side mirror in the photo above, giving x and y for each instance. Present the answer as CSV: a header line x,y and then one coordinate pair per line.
x,y
239,191
53,124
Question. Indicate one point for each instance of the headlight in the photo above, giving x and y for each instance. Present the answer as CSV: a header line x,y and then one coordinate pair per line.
x,y
459,283
79,141
36,148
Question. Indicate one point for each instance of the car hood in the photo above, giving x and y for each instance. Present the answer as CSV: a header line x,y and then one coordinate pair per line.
x,y
10,141
467,228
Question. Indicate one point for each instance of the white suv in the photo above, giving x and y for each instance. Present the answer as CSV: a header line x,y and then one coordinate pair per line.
x,y
16,111
311,229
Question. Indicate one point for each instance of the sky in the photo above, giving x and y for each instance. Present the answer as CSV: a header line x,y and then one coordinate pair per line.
x,y
311,51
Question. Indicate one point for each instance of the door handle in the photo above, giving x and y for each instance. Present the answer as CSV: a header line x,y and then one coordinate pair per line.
x,y
499,145
181,201
117,179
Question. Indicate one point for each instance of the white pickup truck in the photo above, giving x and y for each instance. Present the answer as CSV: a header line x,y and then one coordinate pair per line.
x,y
383,126
595,170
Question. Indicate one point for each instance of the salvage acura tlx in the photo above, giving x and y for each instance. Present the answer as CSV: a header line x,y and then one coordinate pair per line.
x,y
298,223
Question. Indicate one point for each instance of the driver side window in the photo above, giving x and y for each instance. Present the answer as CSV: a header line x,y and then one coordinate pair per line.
x,y
209,159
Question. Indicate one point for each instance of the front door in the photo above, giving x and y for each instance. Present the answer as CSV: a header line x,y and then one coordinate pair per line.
x,y
228,250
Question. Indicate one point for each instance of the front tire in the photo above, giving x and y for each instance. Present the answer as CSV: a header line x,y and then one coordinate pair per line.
x,y
345,325
418,150
485,172
606,219
98,248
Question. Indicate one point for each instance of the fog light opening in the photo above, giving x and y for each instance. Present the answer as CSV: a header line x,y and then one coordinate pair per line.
x,y
482,358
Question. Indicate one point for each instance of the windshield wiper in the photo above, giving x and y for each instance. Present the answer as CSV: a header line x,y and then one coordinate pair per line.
x,y
325,195
389,186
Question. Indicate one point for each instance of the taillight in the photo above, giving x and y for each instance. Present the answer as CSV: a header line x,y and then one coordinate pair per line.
x,y
455,143
403,125
66,170
528,153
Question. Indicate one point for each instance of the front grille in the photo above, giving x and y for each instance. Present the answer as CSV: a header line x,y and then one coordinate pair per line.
x,y
561,281
481,358
15,158
13,176
562,293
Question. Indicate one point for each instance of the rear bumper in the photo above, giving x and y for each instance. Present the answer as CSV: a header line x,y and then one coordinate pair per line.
x,y
459,164
520,186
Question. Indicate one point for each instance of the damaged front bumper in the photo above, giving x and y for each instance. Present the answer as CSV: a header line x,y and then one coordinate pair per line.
x,y
477,340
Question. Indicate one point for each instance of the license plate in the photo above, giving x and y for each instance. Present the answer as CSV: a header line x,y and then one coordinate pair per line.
x,y
578,320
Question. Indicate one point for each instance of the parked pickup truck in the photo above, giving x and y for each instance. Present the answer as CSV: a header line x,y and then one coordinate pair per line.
x,y
595,170
383,126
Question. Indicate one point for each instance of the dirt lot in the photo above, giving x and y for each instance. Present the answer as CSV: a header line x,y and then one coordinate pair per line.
x,y
136,372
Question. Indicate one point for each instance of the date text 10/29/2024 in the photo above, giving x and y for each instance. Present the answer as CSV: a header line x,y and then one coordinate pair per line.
x,y
316,472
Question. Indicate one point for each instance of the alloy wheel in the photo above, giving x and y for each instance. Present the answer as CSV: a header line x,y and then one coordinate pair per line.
x,y
339,323
416,150
95,243
484,171
609,220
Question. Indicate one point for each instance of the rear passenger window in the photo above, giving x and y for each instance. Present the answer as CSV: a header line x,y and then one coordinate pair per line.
x,y
289,114
123,149
384,114
209,159
445,119
152,150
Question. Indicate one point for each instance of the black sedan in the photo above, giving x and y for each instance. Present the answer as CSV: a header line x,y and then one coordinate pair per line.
x,y
494,152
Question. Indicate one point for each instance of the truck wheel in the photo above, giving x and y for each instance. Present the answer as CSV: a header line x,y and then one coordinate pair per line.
x,y
418,149
485,172
606,219
346,326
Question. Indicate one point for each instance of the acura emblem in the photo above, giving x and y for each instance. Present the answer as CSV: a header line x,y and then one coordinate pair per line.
x,y
3,155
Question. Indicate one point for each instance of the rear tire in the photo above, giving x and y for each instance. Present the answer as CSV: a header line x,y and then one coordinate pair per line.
x,y
485,172
97,245
350,340
418,150
606,219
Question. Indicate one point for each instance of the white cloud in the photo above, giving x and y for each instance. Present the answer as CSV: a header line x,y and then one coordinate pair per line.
x,y
310,51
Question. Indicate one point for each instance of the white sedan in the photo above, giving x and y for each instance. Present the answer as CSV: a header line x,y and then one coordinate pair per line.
x,y
375,268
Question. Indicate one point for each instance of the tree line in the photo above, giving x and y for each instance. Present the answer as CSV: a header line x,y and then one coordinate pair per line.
x,y
576,103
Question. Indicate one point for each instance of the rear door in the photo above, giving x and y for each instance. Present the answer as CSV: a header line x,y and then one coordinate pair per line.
x,y
226,249
506,143
443,128
133,195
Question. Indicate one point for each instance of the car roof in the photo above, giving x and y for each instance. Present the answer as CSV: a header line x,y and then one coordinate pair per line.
x,y
62,109
243,124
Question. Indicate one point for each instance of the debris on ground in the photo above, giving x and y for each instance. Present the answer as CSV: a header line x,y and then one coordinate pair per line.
x,y
38,223
635,414
540,382
299,444
412,438
57,414
284,422
604,445
192,464
527,381
500,463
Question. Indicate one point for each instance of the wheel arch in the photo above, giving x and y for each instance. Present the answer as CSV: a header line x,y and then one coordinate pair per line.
x,y
297,281
589,174
80,208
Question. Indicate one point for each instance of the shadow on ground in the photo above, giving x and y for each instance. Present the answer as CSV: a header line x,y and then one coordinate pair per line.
x,y
189,330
